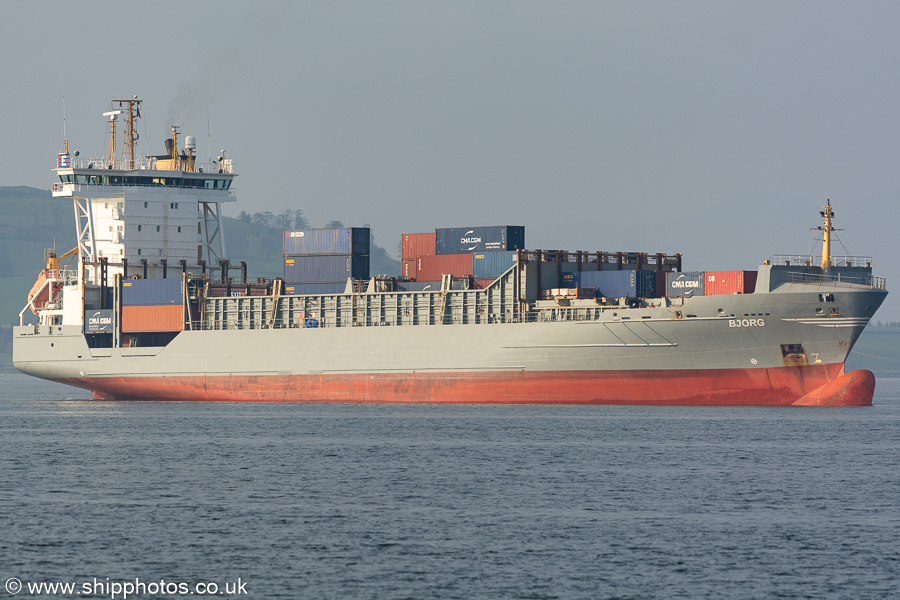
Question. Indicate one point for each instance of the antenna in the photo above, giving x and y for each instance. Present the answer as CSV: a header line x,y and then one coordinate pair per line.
x,y
208,142
65,137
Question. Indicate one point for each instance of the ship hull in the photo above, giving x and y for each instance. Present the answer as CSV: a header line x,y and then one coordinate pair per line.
x,y
819,385
782,358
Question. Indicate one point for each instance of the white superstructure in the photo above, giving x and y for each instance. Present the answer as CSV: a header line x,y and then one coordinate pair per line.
x,y
145,215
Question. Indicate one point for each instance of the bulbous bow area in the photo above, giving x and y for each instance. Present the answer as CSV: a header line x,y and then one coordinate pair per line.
x,y
855,388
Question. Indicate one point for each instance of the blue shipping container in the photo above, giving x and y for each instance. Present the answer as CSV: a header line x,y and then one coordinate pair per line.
x,y
343,240
459,240
684,284
311,289
152,292
569,280
325,268
491,265
619,284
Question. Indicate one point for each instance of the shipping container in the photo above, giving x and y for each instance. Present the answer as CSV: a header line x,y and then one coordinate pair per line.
x,y
137,319
408,268
486,265
152,292
416,244
729,282
98,321
312,289
432,268
343,240
689,283
661,283
569,279
619,284
457,240
325,268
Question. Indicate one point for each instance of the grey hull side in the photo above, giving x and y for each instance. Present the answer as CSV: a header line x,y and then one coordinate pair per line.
x,y
712,332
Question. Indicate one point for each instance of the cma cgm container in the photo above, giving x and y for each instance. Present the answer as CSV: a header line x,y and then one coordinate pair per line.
x,y
416,244
325,268
729,282
456,240
342,240
431,268
689,283
619,284
491,265
152,292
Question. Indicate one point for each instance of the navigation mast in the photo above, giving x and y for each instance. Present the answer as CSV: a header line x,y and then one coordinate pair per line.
x,y
827,214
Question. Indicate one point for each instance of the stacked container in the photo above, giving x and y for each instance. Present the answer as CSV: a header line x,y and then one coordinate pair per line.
x,y
690,283
343,240
432,268
152,305
619,284
491,265
325,256
484,253
456,240
413,245
729,282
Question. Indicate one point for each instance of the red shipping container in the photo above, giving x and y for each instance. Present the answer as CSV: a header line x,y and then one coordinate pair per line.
x,y
431,268
408,268
480,284
165,317
416,244
729,282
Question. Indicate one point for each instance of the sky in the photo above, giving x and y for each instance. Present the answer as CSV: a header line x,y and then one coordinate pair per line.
x,y
716,129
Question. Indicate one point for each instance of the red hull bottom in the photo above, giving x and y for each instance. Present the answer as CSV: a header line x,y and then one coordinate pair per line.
x,y
817,385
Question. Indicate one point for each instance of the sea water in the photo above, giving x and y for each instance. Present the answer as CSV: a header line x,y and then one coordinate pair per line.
x,y
437,501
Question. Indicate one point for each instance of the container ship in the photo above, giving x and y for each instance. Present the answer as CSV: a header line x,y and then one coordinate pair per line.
x,y
149,307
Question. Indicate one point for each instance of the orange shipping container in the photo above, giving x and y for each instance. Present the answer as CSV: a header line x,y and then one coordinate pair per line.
x,y
431,268
137,319
729,282
416,244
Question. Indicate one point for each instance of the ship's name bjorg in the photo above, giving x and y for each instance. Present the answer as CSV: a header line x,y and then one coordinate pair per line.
x,y
746,323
